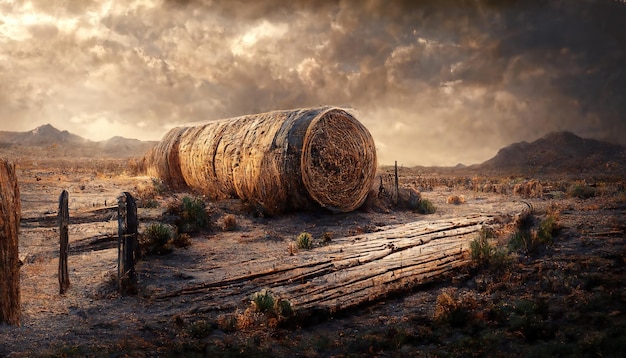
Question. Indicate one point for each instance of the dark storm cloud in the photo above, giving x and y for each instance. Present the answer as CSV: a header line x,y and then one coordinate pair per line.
x,y
436,82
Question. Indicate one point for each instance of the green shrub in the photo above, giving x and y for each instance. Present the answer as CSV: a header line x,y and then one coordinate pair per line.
x,y
263,300
157,239
193,215
484,253
547,228
581,190
284,309
200,329
519,241
304,241
426,206
530,240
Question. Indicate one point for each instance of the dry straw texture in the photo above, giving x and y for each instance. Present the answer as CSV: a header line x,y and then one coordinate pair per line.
x,y
10,310
278,160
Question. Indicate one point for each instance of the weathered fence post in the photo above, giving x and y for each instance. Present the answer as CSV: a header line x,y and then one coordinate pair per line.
x,y
10,212
127,243
64,219
396,182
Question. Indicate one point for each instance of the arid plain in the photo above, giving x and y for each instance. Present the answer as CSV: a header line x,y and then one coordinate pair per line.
x,y
547,281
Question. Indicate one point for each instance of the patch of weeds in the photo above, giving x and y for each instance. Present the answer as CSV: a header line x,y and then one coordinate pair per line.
x,y
263,300
192,215
181,240
200,329
581,190
455,199
483,253
452,309
149,204
229,222
146,194
284,308
304,241
157,239
254,209
426,206
160,187
327,237
547,228
275,309
530,318
227,322
528,239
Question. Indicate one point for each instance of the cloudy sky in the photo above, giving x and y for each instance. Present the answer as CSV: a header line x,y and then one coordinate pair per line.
x,y
436,82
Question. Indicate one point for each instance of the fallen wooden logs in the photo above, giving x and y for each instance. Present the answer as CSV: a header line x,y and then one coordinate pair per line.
x,y
351,270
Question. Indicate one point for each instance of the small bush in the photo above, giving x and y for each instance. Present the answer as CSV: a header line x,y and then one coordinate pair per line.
x,y
227,322
327,237
304,241
181,240
581,190
547,228
263,300
483,253
455,199
147,194
149,203
426,206
193,215
528,239
157,239
284,309
200,329
452,309
229,222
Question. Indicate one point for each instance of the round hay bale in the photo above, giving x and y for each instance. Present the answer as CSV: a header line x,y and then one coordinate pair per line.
x,y
162,160
278,160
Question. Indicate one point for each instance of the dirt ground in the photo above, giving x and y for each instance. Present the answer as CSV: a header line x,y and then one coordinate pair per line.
x,y
566,298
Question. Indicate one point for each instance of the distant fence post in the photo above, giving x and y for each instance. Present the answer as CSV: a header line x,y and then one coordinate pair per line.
x,y
127,243
10,212
396,182
64,219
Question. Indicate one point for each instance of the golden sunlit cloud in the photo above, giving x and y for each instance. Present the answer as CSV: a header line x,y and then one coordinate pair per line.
x,y
434,85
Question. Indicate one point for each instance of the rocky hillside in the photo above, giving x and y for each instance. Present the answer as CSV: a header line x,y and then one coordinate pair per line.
x,y
54,142
559,152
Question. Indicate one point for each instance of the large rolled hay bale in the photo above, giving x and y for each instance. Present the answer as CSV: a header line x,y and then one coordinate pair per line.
x,y
278,160
163,162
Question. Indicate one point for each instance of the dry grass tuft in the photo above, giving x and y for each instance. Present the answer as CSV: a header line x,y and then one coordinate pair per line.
x,y
456,199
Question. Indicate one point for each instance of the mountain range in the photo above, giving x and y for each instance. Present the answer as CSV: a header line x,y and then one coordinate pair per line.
x,y
553,154
64,143
558,152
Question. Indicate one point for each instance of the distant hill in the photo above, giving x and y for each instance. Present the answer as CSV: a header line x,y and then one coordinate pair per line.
x,y
44,135
558,152
66,144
